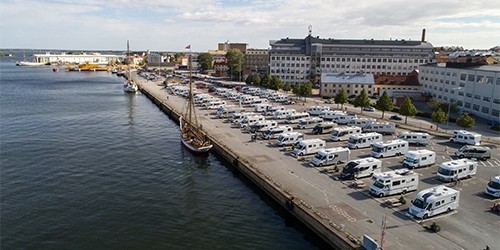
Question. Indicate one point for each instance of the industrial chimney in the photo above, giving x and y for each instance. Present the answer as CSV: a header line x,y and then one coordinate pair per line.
x,y
423,36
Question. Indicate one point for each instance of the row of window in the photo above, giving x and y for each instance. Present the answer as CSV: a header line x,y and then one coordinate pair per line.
x,y
475,107
375,60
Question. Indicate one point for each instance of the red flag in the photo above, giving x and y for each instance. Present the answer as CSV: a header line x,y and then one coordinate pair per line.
x,y
188,47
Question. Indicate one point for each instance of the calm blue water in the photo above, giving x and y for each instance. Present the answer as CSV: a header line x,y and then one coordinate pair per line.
x,y
86,166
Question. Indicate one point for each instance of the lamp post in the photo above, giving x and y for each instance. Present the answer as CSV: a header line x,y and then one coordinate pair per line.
x,y
449,108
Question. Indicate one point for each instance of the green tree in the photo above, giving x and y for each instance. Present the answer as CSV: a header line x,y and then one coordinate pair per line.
x,y
407,109
250,79
205,61
297,90
439,116
384,103
362,100
178,56
265,81
275,83
235,62
287,87
341,97
256,80
466,121
307,89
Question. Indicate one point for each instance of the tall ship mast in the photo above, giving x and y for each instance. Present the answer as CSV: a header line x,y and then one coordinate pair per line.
x,y
129,86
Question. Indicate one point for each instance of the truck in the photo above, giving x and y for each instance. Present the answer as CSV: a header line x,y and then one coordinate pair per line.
x,y
433,201
389,148
386,128
362,122
272,133
330,156
295,117
309,122
456,169
419,158
417,138
307,147
466,137
324,128
343,133
394,182
316,110
289,139
360,168
363,140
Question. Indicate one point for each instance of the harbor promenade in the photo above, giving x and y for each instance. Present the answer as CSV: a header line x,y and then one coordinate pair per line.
x,y
336,210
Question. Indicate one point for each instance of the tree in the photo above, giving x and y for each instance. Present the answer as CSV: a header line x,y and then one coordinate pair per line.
x,y
362,100
205,61
407,109
297,89
384,103
250,79
256,80
439,116
341,97
307,89
275,83
235,62
265,81
178,56
287,87
465,121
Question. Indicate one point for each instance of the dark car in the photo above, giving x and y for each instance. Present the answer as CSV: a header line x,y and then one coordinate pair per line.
x,y
370,109
329,101
396,117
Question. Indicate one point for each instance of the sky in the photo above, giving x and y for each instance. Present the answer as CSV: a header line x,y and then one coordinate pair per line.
x,y
171,25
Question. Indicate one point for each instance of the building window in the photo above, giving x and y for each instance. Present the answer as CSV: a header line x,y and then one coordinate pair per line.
x,y
485,110
495,112
468,95
486,99
475,107
471,78
467,105
463,77
478,97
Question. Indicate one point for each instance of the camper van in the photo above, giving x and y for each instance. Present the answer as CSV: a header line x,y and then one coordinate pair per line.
x,y
360,168
324,128
344,119
316,110
272,109
363,140
362,122
228,112
344,132
393,182
295,117
328,115
386,128
419,158
237,117
307,147
493,187
262,126
289,138
389,148
433,201
466,137
310,122
477,152
415,138
457,169
251,120
262,107
330,156
272,133
282,114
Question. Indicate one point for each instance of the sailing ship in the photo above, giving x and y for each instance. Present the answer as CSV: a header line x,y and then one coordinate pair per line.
x,y
28,63
192,136
129,86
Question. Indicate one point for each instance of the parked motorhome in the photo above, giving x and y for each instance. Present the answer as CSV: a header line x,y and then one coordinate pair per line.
x,y
272,109
362,122
251,120
394,182
316,110
295,117
310,122
324,128
238,117
282,114
344,119
466,137
433,201
262,126
419,158
386,128
228,112
307,147
330,156
272,133
389,148
258,101
328,115
360,168
457,169
417,138
493,187
262,107
363,140
478,152
343,133
289,138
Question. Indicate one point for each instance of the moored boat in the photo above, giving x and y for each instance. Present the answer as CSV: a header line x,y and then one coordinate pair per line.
x,y
129,86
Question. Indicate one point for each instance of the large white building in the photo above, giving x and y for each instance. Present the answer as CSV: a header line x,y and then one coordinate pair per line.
x,y
473,88
62,58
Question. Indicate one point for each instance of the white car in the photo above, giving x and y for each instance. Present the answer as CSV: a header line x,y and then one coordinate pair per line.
x,y
371,109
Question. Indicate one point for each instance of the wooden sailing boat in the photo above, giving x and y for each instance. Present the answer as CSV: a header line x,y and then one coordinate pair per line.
x,y
192,137
129,86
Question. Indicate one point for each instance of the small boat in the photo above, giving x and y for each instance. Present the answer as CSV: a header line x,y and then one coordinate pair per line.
x,y
55,69
129,86
28,63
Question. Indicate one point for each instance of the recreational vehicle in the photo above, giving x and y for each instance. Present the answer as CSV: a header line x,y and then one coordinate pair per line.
x,y
328,115
273,133
386,128
457,169
466,137
433,201
361,168
342,133
324,128
289,138
251,120
330,156
272,109
316,110
295,117
344,119
310,122
419,158
393,182
415,138
262,107
307,147
389,148
282,114
262,126
363,140
477,152
362,122
237,117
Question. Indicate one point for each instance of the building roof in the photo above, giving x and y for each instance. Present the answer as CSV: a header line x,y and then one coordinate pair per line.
x,y
410,79
347,78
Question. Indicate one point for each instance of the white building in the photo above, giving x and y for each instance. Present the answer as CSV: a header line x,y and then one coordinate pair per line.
x,y
353,83
78,58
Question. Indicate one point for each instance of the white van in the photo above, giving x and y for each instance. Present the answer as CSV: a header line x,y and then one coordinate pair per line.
x,y
316,110
227,112
361,168
344,132
389,148
493,187
362,122
344,118
251,120
272,133
258,101
262,126
328,115
363,140
419,158
433,201
237,117
272,109
295,117
457,169
463,136
282,114
386,128
307,147
330,156
289,138
393,182
262,107
310,122
415,137
324,128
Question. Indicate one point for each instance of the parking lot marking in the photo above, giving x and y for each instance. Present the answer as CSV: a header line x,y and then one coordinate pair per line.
x,y
482,162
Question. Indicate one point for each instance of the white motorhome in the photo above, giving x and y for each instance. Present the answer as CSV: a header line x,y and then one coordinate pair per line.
x,y
457,169
295,117
282,114
248,99
228,112
362,122
463,136
324,128
363,140
433,201
251,120
360,168
344,118
289,138
419,158
393,182
272,109
263,126
258,101
389,148
307,147
310,122
343,133
203,99
386,128
215,105
273,133
330,156
330,114
262,107
415,137
493,187
238,117
316,110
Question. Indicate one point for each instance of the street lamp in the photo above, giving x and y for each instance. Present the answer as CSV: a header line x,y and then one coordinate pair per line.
x,y
449,107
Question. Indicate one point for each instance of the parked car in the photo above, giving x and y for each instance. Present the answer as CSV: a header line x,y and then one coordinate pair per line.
x,y
289,102
371,109
396,117
329,101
